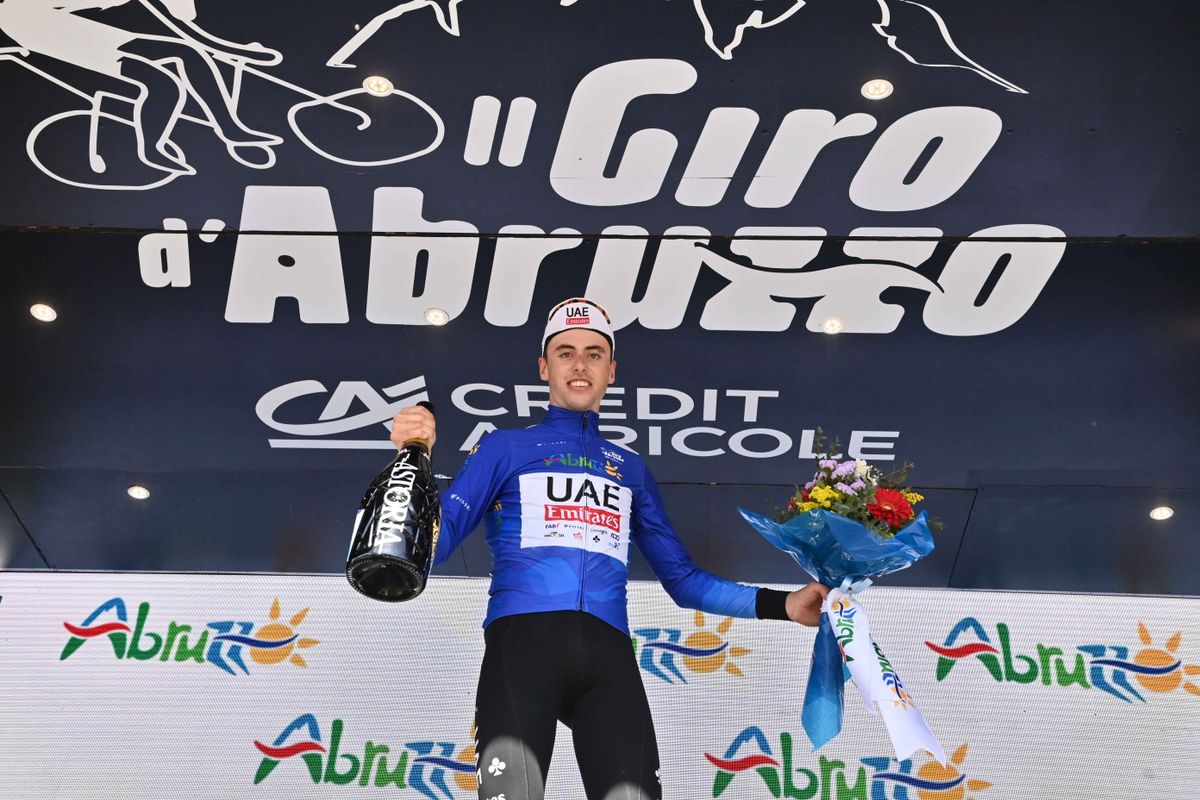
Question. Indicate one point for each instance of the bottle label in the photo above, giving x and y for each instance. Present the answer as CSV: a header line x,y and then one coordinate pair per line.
x,y
397,500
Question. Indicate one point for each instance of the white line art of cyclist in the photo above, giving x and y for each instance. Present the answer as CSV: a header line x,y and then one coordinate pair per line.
x,y
446,12
163,72
917,16
952,56
891,30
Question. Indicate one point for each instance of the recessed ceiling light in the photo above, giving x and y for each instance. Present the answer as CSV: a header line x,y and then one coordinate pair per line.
x,y
832,325
43,312
379,86
1162,512
436,316
877,89
138,492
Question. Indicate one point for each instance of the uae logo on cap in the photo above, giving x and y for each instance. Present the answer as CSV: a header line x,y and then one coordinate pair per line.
x,y
578,315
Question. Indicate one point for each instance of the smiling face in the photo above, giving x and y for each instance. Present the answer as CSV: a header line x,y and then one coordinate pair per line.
x,y
578,366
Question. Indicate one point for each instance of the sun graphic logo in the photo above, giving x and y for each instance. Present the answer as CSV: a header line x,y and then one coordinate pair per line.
x,y
277,641
701,651
933,781
1156,669
1155,658
272,643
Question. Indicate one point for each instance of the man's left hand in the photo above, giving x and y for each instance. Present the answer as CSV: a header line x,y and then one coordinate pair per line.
x,y
804,605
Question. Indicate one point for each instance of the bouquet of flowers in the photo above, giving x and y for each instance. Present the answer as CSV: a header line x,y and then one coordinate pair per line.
x,y
849,524
856,490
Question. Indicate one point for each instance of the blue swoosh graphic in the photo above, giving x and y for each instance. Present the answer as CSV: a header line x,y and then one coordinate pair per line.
x,y
1138,668
261,644
692,652
920,783
457,766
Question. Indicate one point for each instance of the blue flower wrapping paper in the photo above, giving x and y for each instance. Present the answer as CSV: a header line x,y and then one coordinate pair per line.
x,y
840,552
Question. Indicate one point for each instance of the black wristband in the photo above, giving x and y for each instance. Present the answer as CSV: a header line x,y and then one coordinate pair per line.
x,y
770,604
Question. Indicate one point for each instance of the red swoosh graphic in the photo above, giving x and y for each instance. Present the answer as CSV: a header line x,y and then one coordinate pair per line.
x,y
290,750
97,630
962,651
742,763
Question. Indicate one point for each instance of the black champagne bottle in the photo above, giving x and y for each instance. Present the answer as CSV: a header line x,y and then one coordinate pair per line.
x,y
396,530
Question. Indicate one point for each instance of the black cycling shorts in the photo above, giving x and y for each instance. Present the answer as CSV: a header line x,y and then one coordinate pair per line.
x,y
566,666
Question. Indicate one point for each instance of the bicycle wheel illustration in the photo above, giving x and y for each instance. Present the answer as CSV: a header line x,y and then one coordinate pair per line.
x,y
67,147
365,121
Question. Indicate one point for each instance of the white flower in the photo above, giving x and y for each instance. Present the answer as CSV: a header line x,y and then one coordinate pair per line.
x,y
496,767
860,468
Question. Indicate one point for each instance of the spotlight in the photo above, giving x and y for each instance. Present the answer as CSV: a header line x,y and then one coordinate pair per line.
x,y
436,316
876,89
379,86
1161,512
832,325
43,312
138,492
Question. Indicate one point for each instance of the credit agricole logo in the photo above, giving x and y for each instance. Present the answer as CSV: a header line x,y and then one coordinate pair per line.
x,y
223,643
1120,670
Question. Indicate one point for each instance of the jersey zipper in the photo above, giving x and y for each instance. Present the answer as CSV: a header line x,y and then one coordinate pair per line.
x,y
587,528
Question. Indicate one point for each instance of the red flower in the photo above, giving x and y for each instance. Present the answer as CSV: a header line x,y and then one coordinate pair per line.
x,y
804,495
891,507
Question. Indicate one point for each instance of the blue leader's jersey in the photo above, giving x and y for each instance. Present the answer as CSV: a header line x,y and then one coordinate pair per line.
x,y
561,505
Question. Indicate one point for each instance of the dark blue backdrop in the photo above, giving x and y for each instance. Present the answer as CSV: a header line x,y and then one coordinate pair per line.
x,y
1047,393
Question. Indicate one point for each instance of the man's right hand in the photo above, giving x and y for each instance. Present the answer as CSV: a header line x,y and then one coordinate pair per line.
x,y
411,423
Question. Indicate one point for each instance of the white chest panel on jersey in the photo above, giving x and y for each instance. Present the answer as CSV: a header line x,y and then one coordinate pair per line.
x,y
580,510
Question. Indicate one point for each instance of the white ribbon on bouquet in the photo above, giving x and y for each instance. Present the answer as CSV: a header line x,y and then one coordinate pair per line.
x,y
876,678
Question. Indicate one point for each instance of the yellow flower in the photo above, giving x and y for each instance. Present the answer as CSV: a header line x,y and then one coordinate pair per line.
x,y
913,498
809,506
825,496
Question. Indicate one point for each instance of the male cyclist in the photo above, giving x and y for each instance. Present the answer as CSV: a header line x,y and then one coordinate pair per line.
x,y
561,506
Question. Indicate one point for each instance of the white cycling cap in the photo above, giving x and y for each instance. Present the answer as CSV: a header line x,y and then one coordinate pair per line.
x,y
578,313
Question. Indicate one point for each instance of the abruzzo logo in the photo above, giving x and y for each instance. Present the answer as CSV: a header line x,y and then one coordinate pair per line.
x,y
220,643
845,612
883,777
423,765
1102,666
570,460
702,651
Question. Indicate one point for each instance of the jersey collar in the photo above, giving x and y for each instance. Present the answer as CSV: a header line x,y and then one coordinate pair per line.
x,y
572,421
